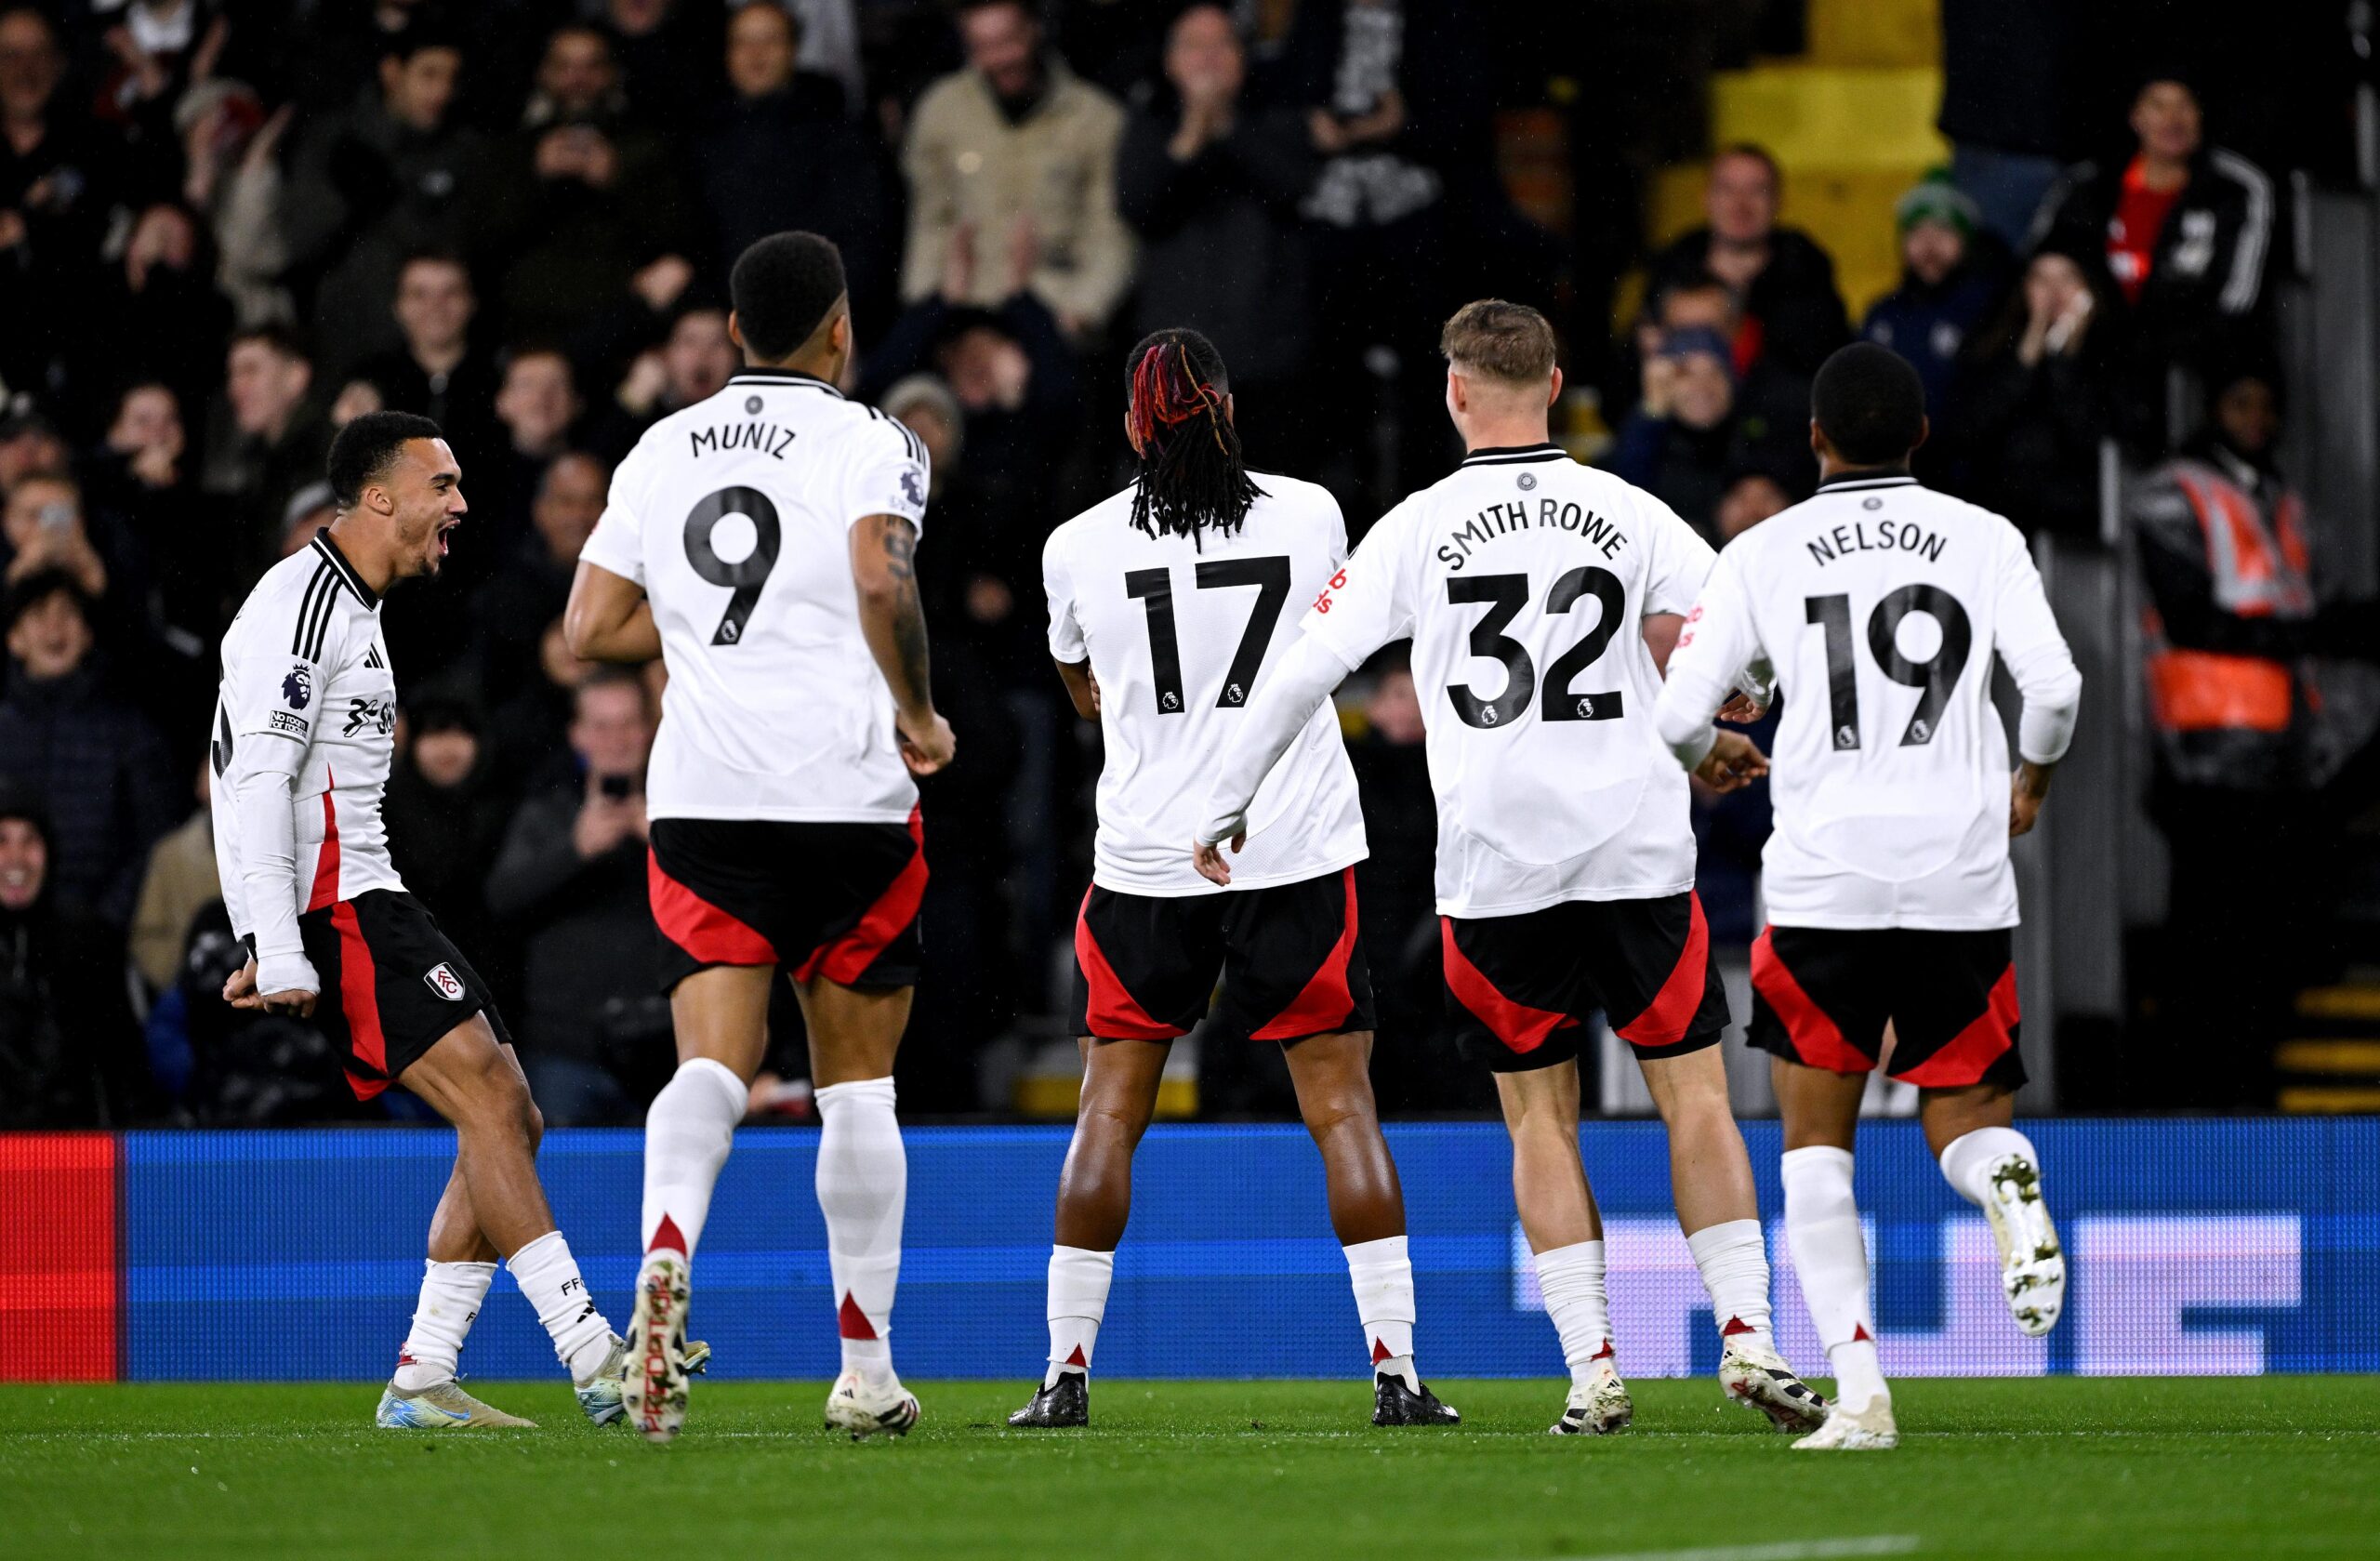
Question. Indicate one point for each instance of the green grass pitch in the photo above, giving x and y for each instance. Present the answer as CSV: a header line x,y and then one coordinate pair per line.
x,y
1233,1470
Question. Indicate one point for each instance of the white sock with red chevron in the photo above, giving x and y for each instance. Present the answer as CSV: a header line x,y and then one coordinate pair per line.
x,y
688,1131
451,1294
863,1190
1572,1280
1382,1275
1079,1284
1831,1260
1734,1260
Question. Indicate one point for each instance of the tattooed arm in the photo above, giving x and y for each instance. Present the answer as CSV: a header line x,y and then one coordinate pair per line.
x,y
884,566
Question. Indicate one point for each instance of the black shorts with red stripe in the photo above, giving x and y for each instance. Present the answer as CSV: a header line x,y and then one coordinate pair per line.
x,y
837,900
1291,965
393,984
1520,988
1821,997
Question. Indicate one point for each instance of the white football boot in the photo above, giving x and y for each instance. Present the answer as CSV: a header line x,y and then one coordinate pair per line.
x,y
1597,1408
1755,1375
866,1410
653,1384
441,1406
2032,1267
1868,1429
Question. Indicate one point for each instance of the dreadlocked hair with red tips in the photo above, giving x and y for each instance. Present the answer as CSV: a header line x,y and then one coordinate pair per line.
x,y
1192,476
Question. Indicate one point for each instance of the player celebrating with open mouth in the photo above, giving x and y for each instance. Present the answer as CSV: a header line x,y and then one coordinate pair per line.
x,y
1889,891
1565,862
1165,619
303,740
763,543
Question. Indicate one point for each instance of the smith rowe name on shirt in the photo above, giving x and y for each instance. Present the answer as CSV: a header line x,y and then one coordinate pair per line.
x,y
1499,519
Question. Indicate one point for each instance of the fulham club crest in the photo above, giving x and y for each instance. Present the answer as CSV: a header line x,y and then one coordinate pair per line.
x,y
445,982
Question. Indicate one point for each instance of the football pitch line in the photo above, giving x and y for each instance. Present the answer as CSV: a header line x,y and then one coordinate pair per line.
x,y
1793,1549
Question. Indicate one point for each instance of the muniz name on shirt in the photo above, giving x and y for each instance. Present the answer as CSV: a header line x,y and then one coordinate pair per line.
x,y
1550,514
767,439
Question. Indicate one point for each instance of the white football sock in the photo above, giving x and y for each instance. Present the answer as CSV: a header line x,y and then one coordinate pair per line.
x,y
1968,1159
1572,1280
451,1293
548,1274
1830,1257
1383,1276
863,1190
1079,1282
1734,1270
687,1133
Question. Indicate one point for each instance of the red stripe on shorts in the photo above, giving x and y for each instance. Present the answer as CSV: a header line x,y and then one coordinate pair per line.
x,y
1817,1041
359,998
1969,1054
1112,1014
1665,1019
1519,1026
708,933
1325,1003
846,958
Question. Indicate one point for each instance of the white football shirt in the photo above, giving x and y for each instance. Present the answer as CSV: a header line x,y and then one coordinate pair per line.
x,y
1178,635
1878,603
1524,579
306,692
735,515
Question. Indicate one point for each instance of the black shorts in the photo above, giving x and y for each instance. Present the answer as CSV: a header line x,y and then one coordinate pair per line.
x,y
1519,989
1822,995
393,984
833,900
1291,964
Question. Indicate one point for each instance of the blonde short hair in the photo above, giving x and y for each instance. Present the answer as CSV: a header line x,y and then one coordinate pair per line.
x,y
1506,341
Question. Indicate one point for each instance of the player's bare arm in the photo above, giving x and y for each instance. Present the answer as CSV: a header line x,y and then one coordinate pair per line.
x,y
608,618
2027,790
884,552
1082,687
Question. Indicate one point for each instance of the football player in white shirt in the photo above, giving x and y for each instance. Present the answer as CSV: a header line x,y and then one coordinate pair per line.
x,y
1890,897
762,544
304,735
1165,617
1565,861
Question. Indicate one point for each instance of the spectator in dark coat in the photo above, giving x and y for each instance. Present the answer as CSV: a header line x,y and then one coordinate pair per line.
x,y
1952,277
91,763
70,1050
378,182
512,608
779,152
445,817
2184,229
1211,183
438,371
266,443
1792,315
2038,396
692,364
569,879
1685,437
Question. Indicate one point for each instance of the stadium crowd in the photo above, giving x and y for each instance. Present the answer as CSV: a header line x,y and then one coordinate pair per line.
x,y
229,225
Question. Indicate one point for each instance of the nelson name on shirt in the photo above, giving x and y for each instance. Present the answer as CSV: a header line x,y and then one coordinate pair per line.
x,y
1877,537
1551,514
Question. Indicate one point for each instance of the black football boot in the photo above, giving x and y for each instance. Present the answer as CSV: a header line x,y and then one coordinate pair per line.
x,y
1064,1402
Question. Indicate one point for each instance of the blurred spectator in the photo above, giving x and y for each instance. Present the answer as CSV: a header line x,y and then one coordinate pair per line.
x,y
2016,101
232,180
1952,276
2038,397
45,530
1792,315
443,816
375,182
69,1048
2185,229
1212,185
527,735
569,879
92,764
692,366
181,881
1016,143
28,442
779,152
438,372
669,55
269,443
311,509
1751,496
2227,557
141,475
1772,403
1682,440
579,198
537,402
531,586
